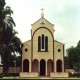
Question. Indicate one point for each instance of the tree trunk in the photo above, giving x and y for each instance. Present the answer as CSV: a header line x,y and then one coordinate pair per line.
x,y
6,59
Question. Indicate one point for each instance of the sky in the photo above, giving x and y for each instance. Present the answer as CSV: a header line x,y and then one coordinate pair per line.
x,y
65,14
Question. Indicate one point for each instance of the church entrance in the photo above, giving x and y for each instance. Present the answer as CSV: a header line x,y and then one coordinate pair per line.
x,y
42,67
59,65
26,65
35,65
49,67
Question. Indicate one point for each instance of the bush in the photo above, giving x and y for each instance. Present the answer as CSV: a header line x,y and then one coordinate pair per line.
x,y
9,74
74,74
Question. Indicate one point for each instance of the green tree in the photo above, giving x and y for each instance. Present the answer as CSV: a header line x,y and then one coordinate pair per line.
x,y
70,56
15,61
66,62
2,4
74,57
9,42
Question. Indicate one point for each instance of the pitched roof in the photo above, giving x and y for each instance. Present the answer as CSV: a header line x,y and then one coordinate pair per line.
x,y
43,19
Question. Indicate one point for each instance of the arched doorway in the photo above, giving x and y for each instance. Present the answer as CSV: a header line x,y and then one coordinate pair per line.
x,y
49,66
59,65
35,65
26,65
42,67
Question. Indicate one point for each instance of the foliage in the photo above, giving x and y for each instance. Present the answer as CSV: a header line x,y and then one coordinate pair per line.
x,y
9,42
15,61
74,57
66,62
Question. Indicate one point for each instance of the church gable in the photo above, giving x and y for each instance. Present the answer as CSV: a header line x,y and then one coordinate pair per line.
x,y
42,22
55,41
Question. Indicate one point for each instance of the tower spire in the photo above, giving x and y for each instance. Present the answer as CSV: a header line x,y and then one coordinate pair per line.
x,y
42,14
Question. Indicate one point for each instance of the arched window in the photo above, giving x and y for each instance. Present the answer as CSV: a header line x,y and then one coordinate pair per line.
x,y
39,43
42,43
46,43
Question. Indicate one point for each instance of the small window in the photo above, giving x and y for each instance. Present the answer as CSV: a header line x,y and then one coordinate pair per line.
x,y
59,50
26,49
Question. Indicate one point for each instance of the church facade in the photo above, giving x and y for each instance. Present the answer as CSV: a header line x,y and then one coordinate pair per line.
x,y
43,55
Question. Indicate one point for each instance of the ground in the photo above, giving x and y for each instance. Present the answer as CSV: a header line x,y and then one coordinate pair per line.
x,y
48,78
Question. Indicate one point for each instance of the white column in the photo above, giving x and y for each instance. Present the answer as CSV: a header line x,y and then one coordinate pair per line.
x,y
30,66
55,66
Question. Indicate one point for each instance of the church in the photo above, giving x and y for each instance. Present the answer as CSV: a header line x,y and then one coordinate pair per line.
x,y
43,55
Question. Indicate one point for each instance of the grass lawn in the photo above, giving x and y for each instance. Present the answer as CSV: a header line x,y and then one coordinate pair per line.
x,y
37,78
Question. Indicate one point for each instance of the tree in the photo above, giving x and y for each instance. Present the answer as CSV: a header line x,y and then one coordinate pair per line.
x,y
2,4
70,53
74,57
15,61
18,61
9,42
66,62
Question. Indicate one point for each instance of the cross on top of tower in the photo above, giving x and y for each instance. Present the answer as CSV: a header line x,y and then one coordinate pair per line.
x,y
42,10
42,14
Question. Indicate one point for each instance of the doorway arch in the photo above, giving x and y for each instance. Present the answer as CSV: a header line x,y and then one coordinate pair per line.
x,y
59,65
26,65
42,67
49,66
35,65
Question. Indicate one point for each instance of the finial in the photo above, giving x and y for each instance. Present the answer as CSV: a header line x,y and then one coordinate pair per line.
x,y
42,14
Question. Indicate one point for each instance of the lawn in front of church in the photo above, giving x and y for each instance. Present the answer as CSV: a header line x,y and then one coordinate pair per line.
x,y
38,78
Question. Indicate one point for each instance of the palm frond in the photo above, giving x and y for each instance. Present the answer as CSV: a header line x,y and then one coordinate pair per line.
x,y
7,10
